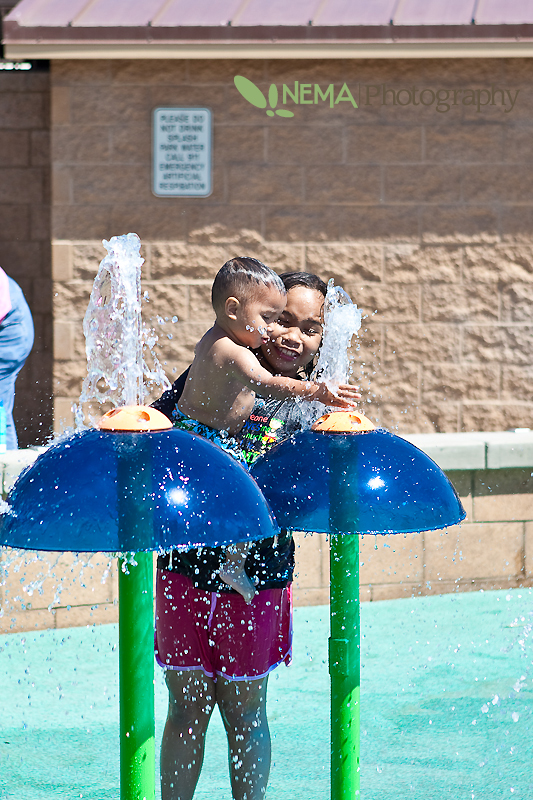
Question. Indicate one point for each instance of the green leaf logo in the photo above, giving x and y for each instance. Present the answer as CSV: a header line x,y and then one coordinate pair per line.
x,y
255,96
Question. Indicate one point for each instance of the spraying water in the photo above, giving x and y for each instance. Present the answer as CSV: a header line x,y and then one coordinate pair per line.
x,y
116,339
342,320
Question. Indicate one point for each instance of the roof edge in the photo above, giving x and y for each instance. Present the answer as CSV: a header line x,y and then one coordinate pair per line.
x,y
263,50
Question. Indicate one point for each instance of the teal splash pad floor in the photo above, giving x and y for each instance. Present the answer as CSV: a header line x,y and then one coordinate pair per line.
x,y
447,707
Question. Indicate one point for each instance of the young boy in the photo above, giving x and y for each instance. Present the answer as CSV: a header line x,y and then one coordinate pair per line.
x,y
219,393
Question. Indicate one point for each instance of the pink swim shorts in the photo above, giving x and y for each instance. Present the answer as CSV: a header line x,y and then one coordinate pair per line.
x,y
220,633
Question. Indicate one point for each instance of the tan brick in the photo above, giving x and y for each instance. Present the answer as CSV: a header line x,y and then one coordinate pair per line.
x,y
309,573
516,223
81,616
505,183
503,343
345,262
15,222
383,223
86,258
436,418
81,71
474,550
316,144
148,221
71,300
63,341
389,303
224,224
398,383
81,222
322,71
427,343
223,70
486,416
200,307
503,495
413,264
129,144
271,184
379,144
165,303
528,549
342,184
467,143
517,301
459,223
81,144
462,483
90,105
299,223
311,597
238,144
121,183
395,591
147,71
447,303
63,416
21,185
14,148
21,621
61,185
414,183
23,111
500,263
457,381
181,262
517,383
391,558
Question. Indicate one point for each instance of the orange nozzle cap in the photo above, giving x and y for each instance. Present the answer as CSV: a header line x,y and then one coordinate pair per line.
x,y
134,418
343,422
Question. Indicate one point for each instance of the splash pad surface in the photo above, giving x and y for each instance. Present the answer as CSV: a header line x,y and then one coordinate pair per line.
x,y
447,700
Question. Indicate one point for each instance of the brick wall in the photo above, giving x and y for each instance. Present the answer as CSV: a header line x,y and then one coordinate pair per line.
x,y
425,218
25,234
492,549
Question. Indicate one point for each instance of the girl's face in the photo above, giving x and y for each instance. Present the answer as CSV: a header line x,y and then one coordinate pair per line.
x,y
295,337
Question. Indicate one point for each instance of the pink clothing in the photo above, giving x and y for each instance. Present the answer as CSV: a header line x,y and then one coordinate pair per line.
x,y
5,299
219,633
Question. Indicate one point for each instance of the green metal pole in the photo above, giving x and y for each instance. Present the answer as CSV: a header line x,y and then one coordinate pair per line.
x,y
344,643
136,619
344,666
136,679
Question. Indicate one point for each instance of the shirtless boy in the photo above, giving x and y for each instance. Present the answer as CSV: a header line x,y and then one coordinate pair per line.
x,y
219,393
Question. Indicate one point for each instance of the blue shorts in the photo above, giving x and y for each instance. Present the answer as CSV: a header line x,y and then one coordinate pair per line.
x,y
221,438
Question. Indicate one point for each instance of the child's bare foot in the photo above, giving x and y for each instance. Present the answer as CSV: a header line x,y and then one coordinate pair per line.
x,y
237,578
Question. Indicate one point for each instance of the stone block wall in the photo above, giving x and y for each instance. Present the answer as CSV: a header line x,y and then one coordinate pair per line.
x,y
425,218
492,549
25,234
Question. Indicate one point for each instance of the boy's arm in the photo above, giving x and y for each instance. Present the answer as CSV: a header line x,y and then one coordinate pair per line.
x,y
245,368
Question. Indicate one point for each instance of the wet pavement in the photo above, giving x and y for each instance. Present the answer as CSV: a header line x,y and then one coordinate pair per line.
x,y
446,709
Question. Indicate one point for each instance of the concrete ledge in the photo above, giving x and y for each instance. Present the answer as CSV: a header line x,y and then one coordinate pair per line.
x,y
471,451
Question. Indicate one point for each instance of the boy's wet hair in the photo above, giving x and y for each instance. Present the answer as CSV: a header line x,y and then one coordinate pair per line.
x,y
240,277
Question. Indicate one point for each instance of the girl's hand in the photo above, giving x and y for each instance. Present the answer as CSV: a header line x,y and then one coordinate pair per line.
x,y
345,397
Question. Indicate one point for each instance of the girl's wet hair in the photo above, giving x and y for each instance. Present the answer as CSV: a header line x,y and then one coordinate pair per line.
x,y
240,277
307,279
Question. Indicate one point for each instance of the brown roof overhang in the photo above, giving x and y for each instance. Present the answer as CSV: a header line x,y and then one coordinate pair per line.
x,y
408,28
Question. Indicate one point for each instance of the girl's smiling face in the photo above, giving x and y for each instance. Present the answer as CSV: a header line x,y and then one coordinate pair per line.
x,y
296,336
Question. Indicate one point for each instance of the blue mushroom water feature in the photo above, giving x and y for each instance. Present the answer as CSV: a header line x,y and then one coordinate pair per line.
x,y
131,487
345,477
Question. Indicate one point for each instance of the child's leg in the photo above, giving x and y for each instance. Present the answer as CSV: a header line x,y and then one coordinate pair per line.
x,y
232,570
243,709
191,699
